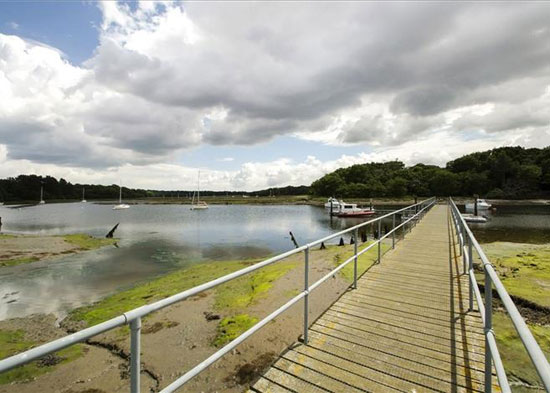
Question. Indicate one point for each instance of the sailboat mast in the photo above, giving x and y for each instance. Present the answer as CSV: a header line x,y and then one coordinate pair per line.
x,y
199,187
83,193
119,193
41,193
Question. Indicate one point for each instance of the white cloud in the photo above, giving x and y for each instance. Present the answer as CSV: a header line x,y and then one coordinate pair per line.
x,y
407,82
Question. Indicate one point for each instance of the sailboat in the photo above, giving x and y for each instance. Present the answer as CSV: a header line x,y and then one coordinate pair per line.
x,y
41,196
83,199
198,205
120,205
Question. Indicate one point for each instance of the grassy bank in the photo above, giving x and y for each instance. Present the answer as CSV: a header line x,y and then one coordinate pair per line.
x,y
15,341
524,269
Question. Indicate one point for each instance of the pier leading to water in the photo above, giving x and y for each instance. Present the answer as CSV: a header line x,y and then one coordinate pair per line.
x,y
406,328
414,322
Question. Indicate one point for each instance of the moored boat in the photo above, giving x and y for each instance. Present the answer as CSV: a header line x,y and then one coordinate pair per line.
x,y
334,203
482,204
198,204
474,219
120,205
351,210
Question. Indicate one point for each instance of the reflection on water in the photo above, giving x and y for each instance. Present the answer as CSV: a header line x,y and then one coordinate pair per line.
x,y
157,239
517,224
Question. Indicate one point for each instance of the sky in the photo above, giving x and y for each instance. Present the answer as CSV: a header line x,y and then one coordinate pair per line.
x,y
264,94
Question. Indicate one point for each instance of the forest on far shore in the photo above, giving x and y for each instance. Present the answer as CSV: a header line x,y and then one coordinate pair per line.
x,y
503,173
508,172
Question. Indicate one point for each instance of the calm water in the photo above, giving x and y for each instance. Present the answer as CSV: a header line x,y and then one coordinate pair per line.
x,y
517,224
156,239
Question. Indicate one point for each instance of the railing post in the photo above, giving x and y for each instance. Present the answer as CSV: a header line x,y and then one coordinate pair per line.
x,y
306,298
464,256
470,269
393,231
356,240
379,237
135,366
488,327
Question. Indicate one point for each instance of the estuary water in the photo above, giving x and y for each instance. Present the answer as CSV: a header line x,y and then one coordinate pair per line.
x,y
157,239
154,240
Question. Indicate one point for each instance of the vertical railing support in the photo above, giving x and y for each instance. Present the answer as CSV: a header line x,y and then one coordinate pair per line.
x,y
393,231
135,344
488,328
464,254
379,237
306,298
355,241
470,269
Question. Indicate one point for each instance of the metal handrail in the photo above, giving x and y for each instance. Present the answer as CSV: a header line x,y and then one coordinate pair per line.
x,y
492,355
133,317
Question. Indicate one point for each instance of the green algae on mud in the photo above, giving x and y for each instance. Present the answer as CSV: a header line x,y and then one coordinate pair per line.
x,y
18,261
15,341
18,249
232,327
154,290
516,361
246,290
87,242
524,269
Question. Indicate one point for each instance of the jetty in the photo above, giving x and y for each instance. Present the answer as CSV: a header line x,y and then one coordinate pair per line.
x,y
415,321
406,327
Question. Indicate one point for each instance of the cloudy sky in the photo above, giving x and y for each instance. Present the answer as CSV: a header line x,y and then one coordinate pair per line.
x,y
264,94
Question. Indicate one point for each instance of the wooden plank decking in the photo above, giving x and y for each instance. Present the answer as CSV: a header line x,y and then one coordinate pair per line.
x,y
406,328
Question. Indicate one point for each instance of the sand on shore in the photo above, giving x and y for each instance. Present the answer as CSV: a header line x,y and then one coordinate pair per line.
x,y
179,337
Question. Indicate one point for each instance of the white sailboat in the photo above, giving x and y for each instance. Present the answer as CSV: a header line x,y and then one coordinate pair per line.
x,y
198,205
83,199
120,205
41,196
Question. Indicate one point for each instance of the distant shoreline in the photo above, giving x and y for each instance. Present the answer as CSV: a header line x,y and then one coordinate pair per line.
x,y
278,200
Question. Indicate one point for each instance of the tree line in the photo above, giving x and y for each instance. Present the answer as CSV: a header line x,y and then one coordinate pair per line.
x,y
508,172
26,188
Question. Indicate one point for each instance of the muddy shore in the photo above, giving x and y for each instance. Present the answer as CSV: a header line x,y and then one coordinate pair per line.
x,y
16,249
181,336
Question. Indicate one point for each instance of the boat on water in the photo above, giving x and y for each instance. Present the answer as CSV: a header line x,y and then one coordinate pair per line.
x,y
334,203
482,204
41,196
120,205
198,204
351,210
83,199
474,219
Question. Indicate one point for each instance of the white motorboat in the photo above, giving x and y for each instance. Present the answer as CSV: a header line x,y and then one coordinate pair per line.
x,y
120,205
198,205
351,210
474,219
334,202
482,204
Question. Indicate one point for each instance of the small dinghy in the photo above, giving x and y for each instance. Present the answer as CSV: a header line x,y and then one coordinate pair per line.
x,y
475,219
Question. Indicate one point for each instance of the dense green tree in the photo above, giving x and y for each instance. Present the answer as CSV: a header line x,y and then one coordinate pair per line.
x,y
509,172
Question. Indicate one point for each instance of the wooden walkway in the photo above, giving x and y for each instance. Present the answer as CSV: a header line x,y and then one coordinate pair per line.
x,y
406,328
